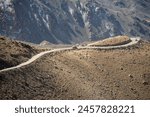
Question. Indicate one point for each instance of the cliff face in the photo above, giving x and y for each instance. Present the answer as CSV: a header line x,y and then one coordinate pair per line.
x,y
73,21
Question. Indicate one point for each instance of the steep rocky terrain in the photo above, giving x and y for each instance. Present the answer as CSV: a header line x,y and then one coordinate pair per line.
x,y
82,74
13,53
73,21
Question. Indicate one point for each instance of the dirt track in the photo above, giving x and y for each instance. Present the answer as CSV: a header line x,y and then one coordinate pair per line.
x,y
133,41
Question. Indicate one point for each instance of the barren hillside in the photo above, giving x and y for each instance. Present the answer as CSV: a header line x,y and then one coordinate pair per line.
x,y
12,53
82,74
113,41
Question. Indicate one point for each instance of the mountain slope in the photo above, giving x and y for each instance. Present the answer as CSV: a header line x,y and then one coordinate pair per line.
x,y
73,21
82,74
13,53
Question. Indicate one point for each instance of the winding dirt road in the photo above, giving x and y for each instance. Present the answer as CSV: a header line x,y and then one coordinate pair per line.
x,y
133,42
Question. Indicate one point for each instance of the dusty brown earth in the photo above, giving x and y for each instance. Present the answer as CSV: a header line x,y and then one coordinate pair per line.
x,y
13,53
113,41
82,74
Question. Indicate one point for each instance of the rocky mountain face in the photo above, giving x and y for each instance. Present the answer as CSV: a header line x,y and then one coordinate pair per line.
x,y
73,21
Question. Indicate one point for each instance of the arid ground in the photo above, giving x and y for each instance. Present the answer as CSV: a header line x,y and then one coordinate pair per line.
x,y
82,74
13,53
